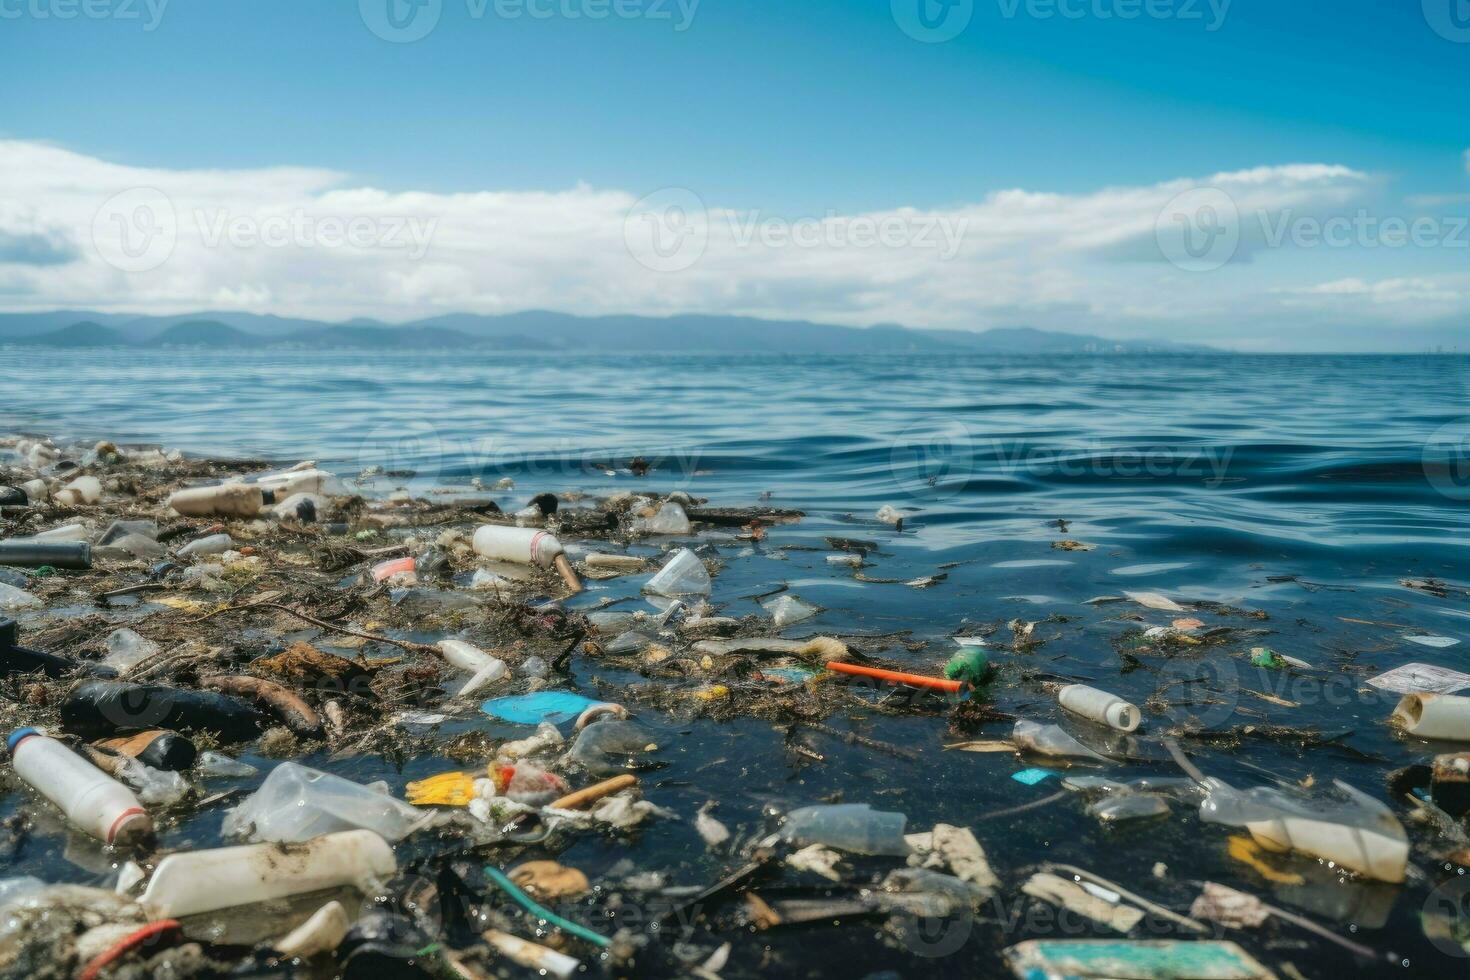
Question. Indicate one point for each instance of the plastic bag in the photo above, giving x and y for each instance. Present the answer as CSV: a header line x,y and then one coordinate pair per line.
x,y
13,599
1050,740
683,574
297,803
212,763
612,746
1131,806
853,827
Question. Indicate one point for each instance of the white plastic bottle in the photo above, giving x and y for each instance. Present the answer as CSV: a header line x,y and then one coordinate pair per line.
x,y
526,546
223,499
1434,716
91,799
295,481
82,490
1099,706
464,656
191,882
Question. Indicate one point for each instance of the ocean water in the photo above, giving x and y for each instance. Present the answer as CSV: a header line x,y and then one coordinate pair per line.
x,y
1294,492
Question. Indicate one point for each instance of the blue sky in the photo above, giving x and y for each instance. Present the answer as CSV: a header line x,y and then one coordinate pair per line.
x,y
788,109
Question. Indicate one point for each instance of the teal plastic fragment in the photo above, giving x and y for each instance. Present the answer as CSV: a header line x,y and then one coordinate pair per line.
x,y
1031,776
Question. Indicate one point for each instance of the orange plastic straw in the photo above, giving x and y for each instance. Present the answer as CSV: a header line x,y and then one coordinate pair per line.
x,y
914,680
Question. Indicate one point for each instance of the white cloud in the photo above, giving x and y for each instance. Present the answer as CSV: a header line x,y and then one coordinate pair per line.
x,y
281,240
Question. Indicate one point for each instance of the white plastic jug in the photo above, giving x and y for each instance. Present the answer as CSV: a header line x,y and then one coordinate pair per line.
x,y
1099,706
191,882
91,799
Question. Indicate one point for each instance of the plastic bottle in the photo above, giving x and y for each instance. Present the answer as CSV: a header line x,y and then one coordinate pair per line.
x,y
223,500
1441,716
467,657
192,882
82,490
214,544
526,546
102,708
1099,706
853,827
16,659
295,481
533,956
24,553
91,800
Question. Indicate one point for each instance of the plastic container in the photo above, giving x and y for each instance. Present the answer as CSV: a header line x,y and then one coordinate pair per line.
x,y
670,519
297,803
526,546
283,485
222,500
1435,716
1099,706
192,882
25,553
82,490
683,574
853,827
92,800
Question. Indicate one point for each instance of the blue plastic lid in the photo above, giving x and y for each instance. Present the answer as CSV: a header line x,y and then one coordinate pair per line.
x,y
17,736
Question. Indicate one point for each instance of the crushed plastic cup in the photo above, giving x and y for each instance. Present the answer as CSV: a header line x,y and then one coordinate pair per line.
x,y
217,764
683,574
670,519
126,650
787,610
297,803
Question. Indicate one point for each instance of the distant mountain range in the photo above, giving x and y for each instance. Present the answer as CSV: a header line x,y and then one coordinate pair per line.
x,y
542,330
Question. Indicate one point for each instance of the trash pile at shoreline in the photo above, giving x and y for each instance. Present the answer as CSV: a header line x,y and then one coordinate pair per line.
x,y
161,616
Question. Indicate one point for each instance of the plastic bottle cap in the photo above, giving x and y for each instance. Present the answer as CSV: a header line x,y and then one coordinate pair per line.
x,y
18,736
